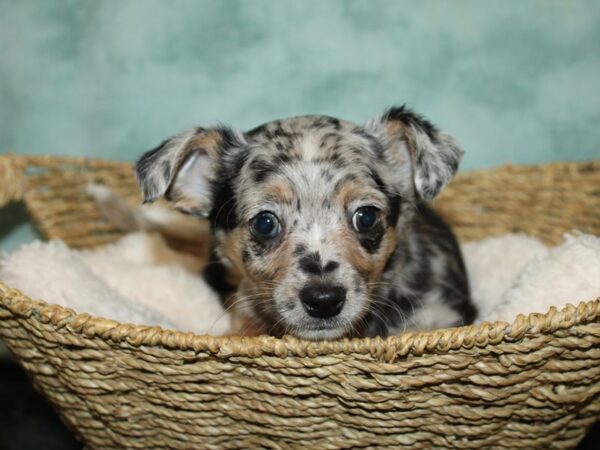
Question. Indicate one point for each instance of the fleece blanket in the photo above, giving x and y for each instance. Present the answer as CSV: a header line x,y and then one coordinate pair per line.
x,y
142,280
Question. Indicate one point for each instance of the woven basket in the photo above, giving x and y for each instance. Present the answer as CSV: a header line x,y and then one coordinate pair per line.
x,y
534,383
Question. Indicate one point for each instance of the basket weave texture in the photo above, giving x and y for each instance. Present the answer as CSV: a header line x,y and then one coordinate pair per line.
x,y
534,383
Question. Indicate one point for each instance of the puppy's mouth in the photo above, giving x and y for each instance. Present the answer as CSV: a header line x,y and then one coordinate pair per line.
x,y
319,329
325,331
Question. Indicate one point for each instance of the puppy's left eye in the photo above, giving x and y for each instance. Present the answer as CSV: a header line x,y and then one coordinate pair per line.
x,y
364,219
266,225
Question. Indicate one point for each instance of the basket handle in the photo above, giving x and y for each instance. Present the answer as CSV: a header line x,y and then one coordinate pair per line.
x,y
12,179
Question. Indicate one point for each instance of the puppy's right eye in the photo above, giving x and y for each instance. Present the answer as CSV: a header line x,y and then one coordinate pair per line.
x,y
265,225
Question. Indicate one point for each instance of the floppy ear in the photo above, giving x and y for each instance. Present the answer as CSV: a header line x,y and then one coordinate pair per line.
x,y
182,168
434,155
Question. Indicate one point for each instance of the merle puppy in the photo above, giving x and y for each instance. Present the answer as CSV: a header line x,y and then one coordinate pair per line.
x,y
320,227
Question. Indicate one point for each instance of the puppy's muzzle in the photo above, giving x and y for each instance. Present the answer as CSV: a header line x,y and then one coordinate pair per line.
x,y
323,302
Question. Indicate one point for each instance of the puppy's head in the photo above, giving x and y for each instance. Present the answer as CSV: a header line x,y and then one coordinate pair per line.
x,y
307,210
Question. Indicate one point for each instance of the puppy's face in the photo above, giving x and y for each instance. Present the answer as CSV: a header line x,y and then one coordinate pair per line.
x,y
307,210
316,225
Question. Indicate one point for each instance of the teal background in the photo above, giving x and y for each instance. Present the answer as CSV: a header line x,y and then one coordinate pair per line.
x,y
514,81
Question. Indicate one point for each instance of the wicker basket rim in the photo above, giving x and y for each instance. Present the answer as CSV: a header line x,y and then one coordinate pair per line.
x,y
387,349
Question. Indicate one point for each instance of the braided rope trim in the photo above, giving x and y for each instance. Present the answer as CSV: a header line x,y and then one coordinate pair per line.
x,y
388,349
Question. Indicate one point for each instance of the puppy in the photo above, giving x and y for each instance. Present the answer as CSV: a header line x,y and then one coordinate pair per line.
x,y
320,227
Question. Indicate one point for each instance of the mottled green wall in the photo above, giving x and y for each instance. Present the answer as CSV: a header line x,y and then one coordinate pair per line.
x,y
514,81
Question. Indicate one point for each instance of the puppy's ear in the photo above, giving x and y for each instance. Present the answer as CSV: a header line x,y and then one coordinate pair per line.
x,y
434,155
182,168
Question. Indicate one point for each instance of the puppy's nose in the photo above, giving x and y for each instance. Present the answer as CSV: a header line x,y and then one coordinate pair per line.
x,y
323,301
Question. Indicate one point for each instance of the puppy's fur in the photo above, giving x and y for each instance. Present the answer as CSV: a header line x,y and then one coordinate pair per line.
x,y
319,276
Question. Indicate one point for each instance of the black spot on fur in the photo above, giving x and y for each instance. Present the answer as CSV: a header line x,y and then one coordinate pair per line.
x,y
283,157
378,149
455,290
337,163
440,231
327,175
394,200
331,141
395,206
410,118
326,122
331,266
334,156
420,280
378,181
223,213
371,240
340,163
261,169
335,123
373,143
215,274
228,139
142,168
273,132
311,264
279,132
346,179
432,173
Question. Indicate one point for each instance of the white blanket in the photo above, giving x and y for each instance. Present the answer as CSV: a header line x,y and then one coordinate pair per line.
x,y
141,280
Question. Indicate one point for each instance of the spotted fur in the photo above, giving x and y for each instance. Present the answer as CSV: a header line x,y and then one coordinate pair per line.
x,y
314,173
